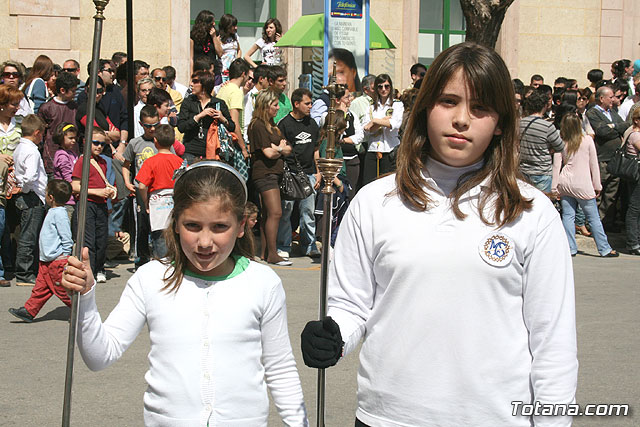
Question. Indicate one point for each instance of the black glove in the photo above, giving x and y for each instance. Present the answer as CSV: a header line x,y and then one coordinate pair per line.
x,y
321,343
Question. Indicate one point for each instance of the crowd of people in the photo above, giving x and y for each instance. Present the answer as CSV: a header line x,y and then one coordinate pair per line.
x,y
229,110
568,136
234,131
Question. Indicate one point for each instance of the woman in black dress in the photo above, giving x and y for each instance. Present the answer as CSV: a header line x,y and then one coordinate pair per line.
x,y
205,42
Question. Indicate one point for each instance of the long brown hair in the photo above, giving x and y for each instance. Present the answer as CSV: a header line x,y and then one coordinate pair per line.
x,y
264,99
201,185
380,79
490,82
339,123
201,26
42,68
571,132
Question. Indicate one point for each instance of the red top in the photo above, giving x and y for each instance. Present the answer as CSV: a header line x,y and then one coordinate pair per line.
x,y
157,171
95,180
178,147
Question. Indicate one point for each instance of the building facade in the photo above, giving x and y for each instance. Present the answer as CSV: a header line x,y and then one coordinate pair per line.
x,y
548,37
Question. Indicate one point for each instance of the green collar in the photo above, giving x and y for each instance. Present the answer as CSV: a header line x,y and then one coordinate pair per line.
x,y
241,265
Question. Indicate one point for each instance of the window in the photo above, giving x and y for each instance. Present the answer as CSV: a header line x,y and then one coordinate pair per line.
x,y
251,15
441,25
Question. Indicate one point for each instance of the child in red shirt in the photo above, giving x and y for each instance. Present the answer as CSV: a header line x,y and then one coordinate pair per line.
x,y
97,219
156,186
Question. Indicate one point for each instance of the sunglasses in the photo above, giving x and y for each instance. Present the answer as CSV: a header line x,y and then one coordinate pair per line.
x,y
160,78
195,81
583,98
423,73
100,90
384,86
11,74
70,70
149,126
108,70
98,143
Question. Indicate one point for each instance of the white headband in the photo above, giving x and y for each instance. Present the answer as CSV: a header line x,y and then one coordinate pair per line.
x,y
182,170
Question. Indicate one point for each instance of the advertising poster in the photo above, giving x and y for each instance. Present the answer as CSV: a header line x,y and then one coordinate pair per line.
x,y
347,33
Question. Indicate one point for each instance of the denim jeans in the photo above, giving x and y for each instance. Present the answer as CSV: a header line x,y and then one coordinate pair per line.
x,y
116,216
307,223
158,243
590,208
2,219
580,219
632,219
541,182
32,212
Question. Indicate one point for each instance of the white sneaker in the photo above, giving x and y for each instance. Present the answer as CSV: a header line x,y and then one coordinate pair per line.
x,y
101,278
283,254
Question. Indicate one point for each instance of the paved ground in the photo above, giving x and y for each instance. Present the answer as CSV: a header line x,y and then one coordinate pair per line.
x,y
32,360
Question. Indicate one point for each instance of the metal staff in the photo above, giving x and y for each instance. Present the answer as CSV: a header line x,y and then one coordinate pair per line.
x,y
329,168
82,204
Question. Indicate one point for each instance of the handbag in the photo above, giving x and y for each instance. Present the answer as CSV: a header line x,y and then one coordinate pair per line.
x,y
295,185
624,165
222,145
114,190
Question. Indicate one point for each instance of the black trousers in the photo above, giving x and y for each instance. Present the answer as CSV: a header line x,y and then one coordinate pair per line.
x,y
371,168
353,174
31,211
143,231
96,231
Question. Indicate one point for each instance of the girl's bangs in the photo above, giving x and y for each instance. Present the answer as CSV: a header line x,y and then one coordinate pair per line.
x,y
482,85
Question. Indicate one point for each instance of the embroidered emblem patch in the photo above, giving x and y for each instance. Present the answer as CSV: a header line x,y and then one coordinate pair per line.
x,y
496,249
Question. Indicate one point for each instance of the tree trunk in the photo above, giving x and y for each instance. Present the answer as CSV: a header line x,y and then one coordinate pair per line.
x,y
484,19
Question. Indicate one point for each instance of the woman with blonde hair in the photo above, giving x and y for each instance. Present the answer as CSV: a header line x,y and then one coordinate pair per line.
x,y
268,147
35,86
576,180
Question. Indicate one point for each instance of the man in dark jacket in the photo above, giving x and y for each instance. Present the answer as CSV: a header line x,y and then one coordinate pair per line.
x,y
609,128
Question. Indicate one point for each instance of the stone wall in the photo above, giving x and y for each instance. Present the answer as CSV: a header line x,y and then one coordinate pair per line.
x,y
552,38
559,38
64,30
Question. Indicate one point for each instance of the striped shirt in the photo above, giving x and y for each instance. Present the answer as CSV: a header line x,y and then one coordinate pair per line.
x,y
537,145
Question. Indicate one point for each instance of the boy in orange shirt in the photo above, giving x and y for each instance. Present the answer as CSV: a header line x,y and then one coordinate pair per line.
x,y
156,186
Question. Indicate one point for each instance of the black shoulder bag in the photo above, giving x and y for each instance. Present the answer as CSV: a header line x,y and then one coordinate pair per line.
x,y
624,165
295,185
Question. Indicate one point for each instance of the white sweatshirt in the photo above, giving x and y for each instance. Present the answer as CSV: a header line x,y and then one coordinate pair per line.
x,y
213,345
459,319
385,139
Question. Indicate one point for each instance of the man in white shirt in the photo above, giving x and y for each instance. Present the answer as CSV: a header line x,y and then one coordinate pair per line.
x,y
321,105
144,86
32,179
261,82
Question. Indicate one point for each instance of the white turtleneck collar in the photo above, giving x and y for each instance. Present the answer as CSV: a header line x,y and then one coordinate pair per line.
x,y
445,176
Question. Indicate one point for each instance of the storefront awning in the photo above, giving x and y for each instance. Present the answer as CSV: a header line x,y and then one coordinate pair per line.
x,y
308,31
